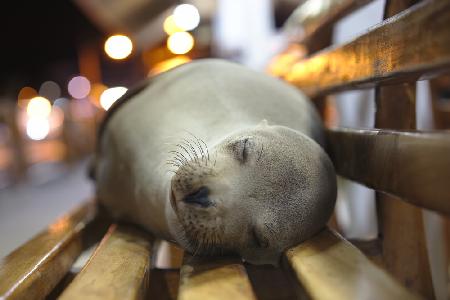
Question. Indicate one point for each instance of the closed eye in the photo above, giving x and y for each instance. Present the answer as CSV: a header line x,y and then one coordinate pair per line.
x,y
245,150
258,240
242,149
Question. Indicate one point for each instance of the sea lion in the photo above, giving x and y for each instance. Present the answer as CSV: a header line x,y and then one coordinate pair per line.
x,y
219,159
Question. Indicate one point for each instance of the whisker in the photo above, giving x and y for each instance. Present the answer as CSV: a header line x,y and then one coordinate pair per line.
x,y
206,147
199,146
181,146
180,156
192,149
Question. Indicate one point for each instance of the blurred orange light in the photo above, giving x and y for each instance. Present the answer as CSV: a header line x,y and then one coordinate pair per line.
x,y
170,27
25,94
39,107
169,64
281,64
118,46
180,42
96,91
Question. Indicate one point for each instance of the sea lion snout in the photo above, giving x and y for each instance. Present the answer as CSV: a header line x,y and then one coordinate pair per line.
x,y
199,197
189,186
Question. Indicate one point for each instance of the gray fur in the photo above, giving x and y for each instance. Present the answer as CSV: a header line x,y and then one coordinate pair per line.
x,y
192,121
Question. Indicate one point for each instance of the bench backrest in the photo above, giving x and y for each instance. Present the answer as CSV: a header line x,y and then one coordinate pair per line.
x,y
412,43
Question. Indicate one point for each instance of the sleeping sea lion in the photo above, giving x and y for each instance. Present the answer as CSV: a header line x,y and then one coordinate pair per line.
x,y
219,159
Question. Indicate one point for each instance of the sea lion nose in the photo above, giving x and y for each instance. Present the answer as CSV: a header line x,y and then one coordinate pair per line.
x,y
199,197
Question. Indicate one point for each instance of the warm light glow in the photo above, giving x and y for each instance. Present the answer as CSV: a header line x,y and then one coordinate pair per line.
x,y
57,117
25,94
39,107
281,64
79,87
109,96
96,91
169,64
38,128
186,16
118,46
170,27
180,43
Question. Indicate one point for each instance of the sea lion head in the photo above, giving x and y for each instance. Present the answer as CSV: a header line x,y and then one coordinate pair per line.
x,y
256,193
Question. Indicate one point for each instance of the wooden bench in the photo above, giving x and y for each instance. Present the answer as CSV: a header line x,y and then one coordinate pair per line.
x,y
414,166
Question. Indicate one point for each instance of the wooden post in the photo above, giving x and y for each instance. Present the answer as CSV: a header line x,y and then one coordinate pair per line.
x,y
400,224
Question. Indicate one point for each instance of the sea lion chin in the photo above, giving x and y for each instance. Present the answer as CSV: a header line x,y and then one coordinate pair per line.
x,y
219,159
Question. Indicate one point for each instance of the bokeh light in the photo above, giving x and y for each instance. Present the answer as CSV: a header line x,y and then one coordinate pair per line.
x,y
118,46
38,128
24,96
180,42
57,117
169,64
96,91
50,90
186,16
109,96
79,87
39,107
170,27
61,102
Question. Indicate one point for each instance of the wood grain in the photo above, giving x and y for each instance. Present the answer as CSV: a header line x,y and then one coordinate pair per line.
x,y
400,224
34,269
329,267
306,25
118,269
401,227
409,164
405,47
214,278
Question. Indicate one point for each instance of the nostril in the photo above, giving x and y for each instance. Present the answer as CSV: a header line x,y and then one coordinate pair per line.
x,y
199,197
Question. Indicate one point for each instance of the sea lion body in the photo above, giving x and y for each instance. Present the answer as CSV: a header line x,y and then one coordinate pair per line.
x,y
219,111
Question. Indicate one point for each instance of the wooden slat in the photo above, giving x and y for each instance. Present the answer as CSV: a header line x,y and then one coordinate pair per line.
x,y
402,48
400,224
312,17
214,278
329,267
34,269
118,269
412,165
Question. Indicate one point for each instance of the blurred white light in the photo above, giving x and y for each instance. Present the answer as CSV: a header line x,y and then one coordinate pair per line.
x,y
180,42
109,96
39,107
38,128
186,16
118,46
79,87
50,90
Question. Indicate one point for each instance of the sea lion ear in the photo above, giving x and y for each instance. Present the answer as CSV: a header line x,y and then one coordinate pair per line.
x,y
263,123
